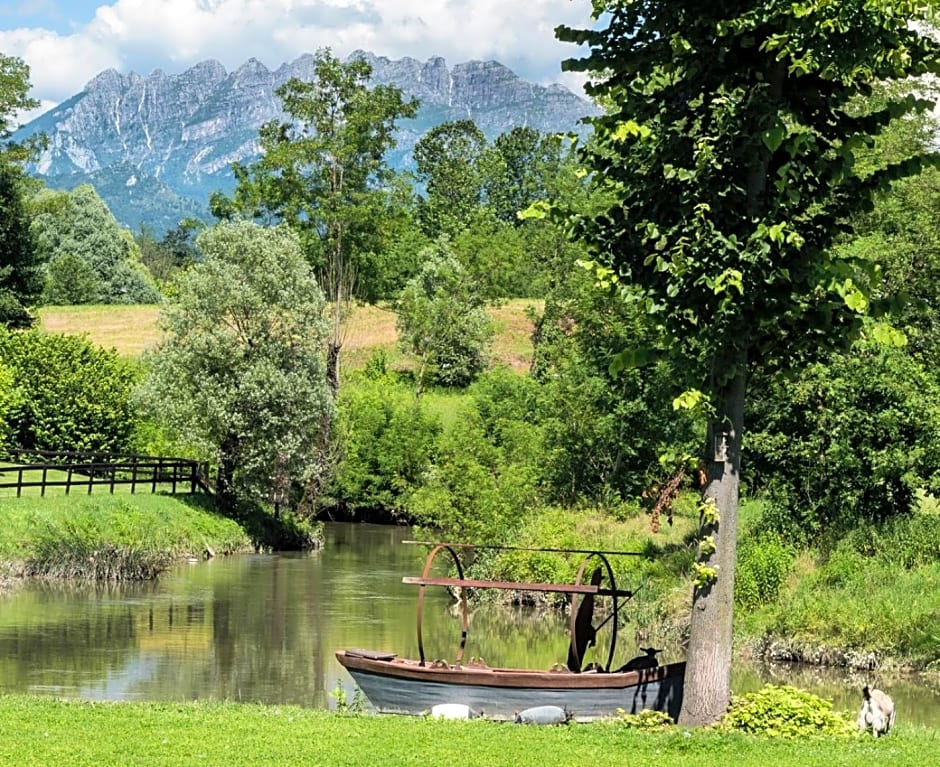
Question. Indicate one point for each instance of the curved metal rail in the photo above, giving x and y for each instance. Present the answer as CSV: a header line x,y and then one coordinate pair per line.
x,y
582,630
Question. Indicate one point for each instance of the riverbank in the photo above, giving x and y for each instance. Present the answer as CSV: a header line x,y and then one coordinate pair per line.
x,y
111,537
45,731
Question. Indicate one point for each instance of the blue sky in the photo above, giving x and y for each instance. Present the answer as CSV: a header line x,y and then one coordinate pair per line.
x,y
67,42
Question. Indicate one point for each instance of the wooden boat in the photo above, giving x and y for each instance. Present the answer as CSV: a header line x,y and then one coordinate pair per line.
x,y
415,686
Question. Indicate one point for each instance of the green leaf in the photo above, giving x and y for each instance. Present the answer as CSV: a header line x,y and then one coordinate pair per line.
x,y
773,137
886,335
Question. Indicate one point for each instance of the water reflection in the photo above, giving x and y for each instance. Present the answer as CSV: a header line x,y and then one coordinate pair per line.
x,y
265,627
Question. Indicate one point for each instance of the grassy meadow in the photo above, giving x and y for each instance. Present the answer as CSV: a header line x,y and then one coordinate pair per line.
x,y
130,330
38,731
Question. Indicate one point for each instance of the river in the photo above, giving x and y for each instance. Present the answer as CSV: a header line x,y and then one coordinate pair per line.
x,y
264,628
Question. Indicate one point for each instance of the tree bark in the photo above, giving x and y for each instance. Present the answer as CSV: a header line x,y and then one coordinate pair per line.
x,y
225,481
707,689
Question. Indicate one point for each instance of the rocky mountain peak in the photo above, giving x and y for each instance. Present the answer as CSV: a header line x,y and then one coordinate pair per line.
x,y
183,131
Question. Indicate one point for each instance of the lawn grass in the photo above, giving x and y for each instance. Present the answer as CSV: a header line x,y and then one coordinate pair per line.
x,y
45,535
41,731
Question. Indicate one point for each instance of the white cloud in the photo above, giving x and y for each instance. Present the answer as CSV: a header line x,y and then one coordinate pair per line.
x,y
143,35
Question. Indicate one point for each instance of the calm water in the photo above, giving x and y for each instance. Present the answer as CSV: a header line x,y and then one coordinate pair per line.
x,y
264,628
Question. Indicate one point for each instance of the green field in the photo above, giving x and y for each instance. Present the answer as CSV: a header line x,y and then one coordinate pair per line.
x,y
39,731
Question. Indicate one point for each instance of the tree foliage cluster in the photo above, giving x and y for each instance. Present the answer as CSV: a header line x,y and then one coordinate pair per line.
x,y
89,258
20,266
729,152
240,373
65,393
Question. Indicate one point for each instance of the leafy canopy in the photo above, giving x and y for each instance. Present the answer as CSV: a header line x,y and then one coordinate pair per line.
x,y
240,372
20,265
730,147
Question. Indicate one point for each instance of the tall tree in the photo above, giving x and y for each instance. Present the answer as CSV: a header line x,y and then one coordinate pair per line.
x,y
20,265
522,167
91,258
729,146
323,172
448,160
240,371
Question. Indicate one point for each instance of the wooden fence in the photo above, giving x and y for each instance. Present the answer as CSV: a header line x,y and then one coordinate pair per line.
x,y
82,472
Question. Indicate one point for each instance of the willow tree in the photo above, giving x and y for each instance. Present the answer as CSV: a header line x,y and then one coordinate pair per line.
x,y
728,145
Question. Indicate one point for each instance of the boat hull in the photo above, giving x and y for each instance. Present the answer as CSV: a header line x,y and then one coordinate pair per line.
x,y
394,685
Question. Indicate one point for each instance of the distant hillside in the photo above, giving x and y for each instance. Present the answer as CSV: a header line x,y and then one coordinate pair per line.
x,y
154,147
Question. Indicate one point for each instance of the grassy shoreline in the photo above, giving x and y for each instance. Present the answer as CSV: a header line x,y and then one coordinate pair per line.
x,y
111,537
41,731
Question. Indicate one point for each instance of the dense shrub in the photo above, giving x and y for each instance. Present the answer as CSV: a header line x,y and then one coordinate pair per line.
x,y
385,438
785,712
472,492
73,395
762,568
442,320
841,443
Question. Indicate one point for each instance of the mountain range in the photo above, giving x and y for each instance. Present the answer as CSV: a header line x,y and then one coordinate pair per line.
x,y
155,147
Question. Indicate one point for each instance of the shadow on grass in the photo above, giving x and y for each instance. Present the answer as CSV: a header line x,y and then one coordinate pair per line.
x,y
283,532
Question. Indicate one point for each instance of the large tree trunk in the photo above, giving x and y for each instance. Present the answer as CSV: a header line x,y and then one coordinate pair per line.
x,y
708,673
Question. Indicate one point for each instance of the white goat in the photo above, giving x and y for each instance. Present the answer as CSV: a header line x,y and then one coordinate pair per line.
x,y
877,712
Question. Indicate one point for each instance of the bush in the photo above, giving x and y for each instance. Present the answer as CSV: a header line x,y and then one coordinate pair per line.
x,y
841,443
442,320
762,568
385,438
785,712
73,395
472,492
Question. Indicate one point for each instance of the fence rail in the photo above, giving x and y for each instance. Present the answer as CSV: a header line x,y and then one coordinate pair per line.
x,y
84,471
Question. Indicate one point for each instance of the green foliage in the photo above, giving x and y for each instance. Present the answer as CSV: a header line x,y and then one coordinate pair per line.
x,y
240,372
845,442
448,160
343,705
646,721
9,395
20,264
323,171
386,440
472,492
14,90
781,711
99,260
764,563
606,432
71,280
443,321
522,167
73,395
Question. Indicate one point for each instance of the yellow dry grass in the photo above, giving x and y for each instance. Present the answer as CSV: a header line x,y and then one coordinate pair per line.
x,y
129,330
